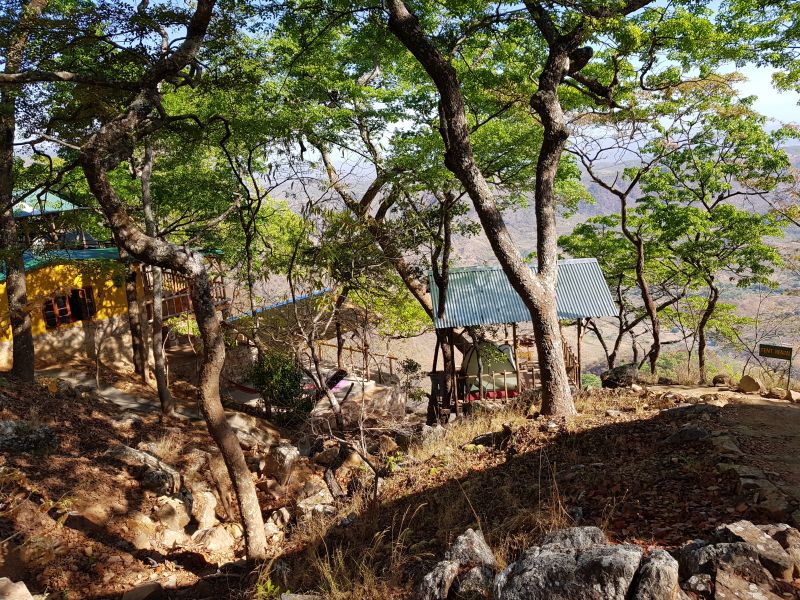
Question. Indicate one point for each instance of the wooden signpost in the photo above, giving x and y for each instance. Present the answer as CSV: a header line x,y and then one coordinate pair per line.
x,y
779,352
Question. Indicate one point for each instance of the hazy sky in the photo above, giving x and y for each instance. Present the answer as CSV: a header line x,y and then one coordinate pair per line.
x,y
782,106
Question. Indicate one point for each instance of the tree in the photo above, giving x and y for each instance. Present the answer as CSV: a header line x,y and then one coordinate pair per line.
x,y
602,238
114,125
552,39
16,290
728,157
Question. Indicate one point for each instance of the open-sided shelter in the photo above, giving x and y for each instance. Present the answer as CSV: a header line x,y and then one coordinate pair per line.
x,y
483,295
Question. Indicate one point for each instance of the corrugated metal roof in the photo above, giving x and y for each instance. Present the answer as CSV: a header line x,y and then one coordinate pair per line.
x,y
283,303
45,204
484,296
39,260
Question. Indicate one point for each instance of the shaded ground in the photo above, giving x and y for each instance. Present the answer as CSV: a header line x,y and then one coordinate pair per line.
x,y
615,470
64,509
612,466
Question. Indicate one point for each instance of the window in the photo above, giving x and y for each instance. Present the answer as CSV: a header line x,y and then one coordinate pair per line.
x,y
78,306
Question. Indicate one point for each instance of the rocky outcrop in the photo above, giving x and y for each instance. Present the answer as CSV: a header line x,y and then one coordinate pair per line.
x,y
741,561
468,568
22,436
622,376
572,564
154,474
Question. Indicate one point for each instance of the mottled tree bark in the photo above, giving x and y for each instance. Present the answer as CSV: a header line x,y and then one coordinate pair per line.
x,y
101,153
157,290
135,322
537,291
10,246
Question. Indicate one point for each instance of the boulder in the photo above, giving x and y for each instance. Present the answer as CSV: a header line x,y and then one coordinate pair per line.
x,y
436,584
622,376
749,385
216,539
155,475
604,571
699,584
316,505
434,432
657,578
689,434
471,550
789,539
574,538
204,509
22,436
571,564
698,556
726,446
281,461
387,445
172,538
171,513
253,432
328,456
142,529
720,379
777,394
10,590
730,586
276,523
770,553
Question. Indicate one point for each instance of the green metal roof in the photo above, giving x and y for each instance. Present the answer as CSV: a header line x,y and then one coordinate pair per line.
x,y
46,204
38,260
484,296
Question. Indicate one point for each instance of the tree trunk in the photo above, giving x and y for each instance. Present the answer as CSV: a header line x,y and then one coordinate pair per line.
x,y
102,153
135,322
157,291
701,328
536,291
16,290
649,306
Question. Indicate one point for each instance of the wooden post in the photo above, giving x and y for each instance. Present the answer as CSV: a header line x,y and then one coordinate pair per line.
x,y
453,380
579,323
516,357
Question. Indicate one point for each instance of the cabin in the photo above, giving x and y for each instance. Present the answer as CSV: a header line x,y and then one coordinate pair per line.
x,y
507,365
80,301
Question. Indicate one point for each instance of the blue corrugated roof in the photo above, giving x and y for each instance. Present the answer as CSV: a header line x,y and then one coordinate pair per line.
x,y
484,296
46,204
37,260
263,309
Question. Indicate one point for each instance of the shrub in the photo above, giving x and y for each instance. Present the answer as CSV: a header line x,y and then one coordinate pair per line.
x,y
590,380
280,382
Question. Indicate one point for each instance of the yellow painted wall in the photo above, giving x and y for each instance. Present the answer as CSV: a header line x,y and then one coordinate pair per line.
x,y
106,278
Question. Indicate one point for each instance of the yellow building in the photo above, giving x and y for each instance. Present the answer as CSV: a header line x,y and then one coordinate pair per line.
x,y
78,307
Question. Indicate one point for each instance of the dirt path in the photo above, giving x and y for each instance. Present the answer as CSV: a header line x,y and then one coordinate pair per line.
x,y
768,432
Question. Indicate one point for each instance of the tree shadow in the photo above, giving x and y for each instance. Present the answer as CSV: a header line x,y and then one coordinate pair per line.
x,y
623,476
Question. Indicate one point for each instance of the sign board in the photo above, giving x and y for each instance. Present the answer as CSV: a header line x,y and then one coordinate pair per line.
x,y
769,351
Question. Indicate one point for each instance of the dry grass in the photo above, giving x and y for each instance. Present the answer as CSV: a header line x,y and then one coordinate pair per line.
x,y
464,431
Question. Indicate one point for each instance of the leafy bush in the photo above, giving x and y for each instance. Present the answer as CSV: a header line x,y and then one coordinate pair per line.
x,y
280,382
412,377
590,380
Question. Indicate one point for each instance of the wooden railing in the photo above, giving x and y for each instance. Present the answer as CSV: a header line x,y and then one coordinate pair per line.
x,y
359,358
571,363
176,293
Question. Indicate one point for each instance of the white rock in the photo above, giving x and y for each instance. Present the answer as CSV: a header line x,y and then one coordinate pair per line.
x,y
215,539
10,590
204,509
